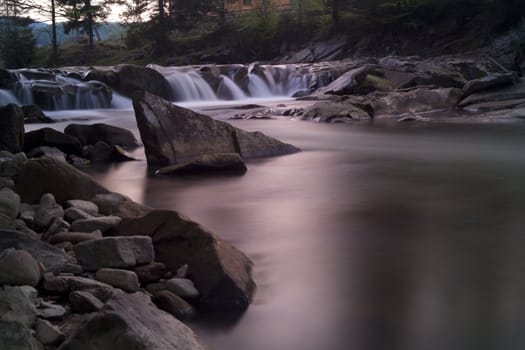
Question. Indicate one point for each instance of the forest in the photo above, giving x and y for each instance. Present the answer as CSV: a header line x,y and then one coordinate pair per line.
x,y
185,32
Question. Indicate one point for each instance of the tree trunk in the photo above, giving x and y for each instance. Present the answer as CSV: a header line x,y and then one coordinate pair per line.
x,y
335,15
54,41
89,22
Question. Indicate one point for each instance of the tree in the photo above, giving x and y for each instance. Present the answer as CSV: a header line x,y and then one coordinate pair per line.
x,y
17,43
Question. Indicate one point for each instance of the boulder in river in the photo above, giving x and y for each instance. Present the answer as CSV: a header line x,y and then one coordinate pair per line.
x,y
221,273
222,162
112,135
11,128
52,138
133,320
173,134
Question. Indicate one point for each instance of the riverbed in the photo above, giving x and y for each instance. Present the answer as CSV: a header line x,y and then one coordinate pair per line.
x,y
373,237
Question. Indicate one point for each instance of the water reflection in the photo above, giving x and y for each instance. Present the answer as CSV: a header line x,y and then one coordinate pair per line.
x,y
370,239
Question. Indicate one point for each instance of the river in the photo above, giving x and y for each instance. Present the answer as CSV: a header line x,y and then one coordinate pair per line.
x,y
372,238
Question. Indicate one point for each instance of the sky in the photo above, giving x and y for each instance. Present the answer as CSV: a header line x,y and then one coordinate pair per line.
x,y
114,16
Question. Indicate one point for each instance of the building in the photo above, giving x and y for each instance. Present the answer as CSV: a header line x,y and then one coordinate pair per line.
x,y
232,6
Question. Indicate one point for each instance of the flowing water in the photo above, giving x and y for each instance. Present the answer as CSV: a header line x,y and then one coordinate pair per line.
x,y
371,238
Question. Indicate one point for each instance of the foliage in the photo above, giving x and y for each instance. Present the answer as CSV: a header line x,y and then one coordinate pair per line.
x,y
17,44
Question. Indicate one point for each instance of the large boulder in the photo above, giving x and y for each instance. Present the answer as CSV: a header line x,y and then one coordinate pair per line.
x,y
112,135
33,114
348,83
221,273
330,112
220,162
514,92
47,175
18,268
52,258
131,321
9,203
128,78
52,138
492,81
11,128
17,315
173,134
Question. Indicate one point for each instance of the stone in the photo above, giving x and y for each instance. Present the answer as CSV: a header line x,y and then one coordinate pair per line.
x,y
63,284
173,304
50,152
61,179
48,334
47,211
27,214
78,161
123,279
101,152
156,287
74,237
328,112
348,83
183,287
84,302
109,134
18,268
87,206
74,214
9,203
221,273
102,223
182,271
11,128
50,311
6,182
115,252
57,226
220,162
491,81
133,320
173,134
17,315
108,202
151,272
52,138
52,258
11,164
33,114
513,92
128,78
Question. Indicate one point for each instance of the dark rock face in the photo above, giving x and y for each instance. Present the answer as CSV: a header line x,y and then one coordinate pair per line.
x,y
112,135
33,114
52,258
128,78
11,128
172,134
129,321
52,138
488,82
348,83
47,175
221,162
221,273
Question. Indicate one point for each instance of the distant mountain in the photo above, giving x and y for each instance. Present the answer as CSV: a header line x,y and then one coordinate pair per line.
x,y
42,32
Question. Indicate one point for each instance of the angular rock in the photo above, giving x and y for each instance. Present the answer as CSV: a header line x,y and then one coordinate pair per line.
x,y
222,162
74,237
183,287
75,214
102,223
57,226
48,334
111,135
47,211
221,273
17,315
173,134
78,161
492,81
63,284
52,138
60,179
101,152
9,203
108,202
50,152
156,287
11,128
328,112
18,268
50,311
149,273
132,320
348,83
123,279
84,302
514,92
87,206
52,258
115,252
11,164
33,114
173,304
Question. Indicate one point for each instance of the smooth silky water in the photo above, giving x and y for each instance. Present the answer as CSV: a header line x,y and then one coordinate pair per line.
x,y
371,238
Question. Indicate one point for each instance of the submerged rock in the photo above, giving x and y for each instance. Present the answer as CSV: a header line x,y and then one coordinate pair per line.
x,y
223,162
173,134
112,135
52,138
132,320
221,273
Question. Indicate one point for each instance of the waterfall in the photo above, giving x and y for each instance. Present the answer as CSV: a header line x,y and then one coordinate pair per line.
x,y
7,97
190,86
121,102
258,87
228,90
